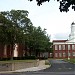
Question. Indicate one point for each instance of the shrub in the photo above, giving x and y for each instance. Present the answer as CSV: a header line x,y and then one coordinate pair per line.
x,y
41,58
23,58
47,62
4,59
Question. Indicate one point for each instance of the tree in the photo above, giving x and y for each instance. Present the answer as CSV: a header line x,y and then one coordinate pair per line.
x,y
20,21
5,33
64,4
4,29
18,28
14,28
39,40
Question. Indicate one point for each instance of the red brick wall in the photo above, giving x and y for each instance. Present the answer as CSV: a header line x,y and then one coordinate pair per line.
x,y
63,51
9,51
20,50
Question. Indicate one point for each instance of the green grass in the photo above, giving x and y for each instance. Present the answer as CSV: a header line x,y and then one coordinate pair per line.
x,y
14,61
71,60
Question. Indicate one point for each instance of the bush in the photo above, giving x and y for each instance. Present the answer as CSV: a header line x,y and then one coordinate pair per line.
x,y
47,62
18,58
41,58
30,57
4,59
23,58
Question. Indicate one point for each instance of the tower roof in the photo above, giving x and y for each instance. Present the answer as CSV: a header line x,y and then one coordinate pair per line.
x,y
73,23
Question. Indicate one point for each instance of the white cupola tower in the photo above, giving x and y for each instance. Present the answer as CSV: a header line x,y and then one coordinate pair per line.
x,y
72,35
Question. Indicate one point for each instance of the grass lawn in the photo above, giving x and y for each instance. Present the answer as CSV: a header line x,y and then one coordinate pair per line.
x,y
71,60
13,61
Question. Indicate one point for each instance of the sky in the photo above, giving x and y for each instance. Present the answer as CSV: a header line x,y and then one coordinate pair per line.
x,y
47,16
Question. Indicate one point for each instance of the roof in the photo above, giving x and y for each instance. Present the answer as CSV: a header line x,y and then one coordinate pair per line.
x,y
60,40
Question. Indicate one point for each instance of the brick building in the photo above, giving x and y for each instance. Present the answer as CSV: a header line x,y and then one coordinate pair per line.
x,y
65,48
7,51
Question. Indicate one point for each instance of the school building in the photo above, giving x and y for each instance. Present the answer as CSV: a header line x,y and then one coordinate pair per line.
x,y
65,48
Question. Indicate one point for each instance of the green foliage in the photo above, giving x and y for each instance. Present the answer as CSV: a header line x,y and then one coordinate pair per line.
x,y
17,28
5,26
47,62
72,60
19,58
24,58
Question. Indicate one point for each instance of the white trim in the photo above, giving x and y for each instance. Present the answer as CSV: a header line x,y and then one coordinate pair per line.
x,y
63,43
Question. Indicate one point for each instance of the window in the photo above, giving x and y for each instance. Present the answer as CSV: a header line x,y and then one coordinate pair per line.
x,y
73,53
59,47
73,47
56,47
69,47
69,54
63,47
64,54
60,54
56,54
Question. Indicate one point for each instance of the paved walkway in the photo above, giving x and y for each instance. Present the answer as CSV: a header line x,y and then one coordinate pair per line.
x,y
40,67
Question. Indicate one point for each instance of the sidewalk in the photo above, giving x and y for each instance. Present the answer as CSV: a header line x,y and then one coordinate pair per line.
x,y
40,67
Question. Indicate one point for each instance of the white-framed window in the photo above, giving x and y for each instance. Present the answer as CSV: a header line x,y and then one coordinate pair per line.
x,y
73,47
59,47
63,47
60,54
56,47
73,53
56,54
64,54
69,54
69,47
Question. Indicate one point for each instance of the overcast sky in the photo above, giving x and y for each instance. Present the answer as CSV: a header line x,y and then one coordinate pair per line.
x,y
47,16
